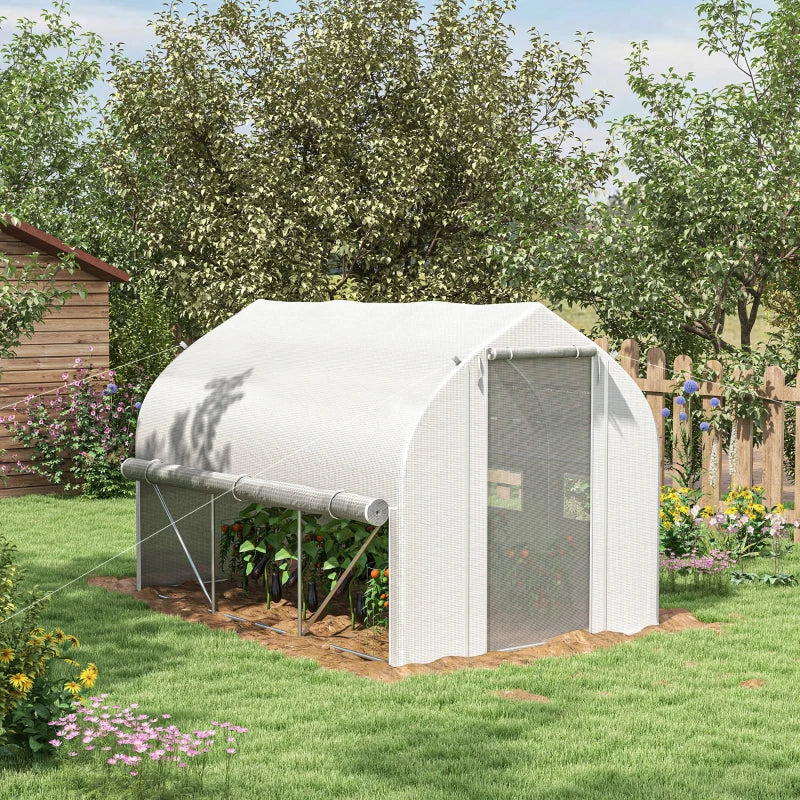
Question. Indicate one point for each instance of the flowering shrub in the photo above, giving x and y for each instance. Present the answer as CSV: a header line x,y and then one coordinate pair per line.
x,y
38,682
140,746
709,568
679,519
697,541
92,420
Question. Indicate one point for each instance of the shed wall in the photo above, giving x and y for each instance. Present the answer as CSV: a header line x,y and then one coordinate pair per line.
x,y
62,336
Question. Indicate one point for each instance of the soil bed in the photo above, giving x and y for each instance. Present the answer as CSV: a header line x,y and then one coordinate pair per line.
x,y
333,628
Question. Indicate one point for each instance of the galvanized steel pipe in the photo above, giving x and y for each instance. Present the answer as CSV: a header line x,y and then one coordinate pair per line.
x,y
340,504
571,351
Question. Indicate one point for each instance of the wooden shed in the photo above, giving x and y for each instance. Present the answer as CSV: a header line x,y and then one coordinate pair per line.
x,y
78,329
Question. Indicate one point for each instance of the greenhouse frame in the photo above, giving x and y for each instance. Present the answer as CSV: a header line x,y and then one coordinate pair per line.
x,y
516,462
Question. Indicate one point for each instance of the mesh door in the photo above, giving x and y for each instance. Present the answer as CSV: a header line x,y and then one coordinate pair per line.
x,y
538,516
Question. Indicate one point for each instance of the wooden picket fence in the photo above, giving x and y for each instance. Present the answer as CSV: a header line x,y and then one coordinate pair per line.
x,y
660,382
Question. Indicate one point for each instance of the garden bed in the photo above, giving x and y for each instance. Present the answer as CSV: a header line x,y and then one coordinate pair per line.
x,y
334,629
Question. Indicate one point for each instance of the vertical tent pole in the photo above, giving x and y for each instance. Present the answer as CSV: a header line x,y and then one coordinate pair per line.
x,y
213,557
299,572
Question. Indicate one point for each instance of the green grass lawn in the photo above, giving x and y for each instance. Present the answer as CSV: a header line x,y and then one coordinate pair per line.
x,y
663,716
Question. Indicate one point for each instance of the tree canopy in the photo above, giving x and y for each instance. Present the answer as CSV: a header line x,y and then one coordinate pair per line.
x,y
350,148
710,228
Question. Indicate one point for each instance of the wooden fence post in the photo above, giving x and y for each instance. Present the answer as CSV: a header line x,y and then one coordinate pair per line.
x,y
712,442
774,383
629,358
656,374
743,475
682,371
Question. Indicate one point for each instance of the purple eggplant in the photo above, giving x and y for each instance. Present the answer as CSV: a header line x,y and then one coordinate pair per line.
x,y
275,587
361,607
258,569
311,597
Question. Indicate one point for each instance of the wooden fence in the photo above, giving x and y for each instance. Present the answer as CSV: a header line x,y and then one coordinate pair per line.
x,y
660,382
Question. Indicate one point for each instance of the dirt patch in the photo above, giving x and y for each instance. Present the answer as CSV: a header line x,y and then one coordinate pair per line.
x,y
334,630
753,683
521,695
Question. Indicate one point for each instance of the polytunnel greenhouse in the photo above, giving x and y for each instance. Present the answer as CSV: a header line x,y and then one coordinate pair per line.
x,y
514,462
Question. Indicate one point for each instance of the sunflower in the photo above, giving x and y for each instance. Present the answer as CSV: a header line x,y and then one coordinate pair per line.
x,y
73,687
21,682
6,655
73,640
88,676
59,635
71,662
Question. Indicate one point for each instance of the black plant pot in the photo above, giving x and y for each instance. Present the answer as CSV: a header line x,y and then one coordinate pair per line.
x,y
360,607
311,597
275,592
258,569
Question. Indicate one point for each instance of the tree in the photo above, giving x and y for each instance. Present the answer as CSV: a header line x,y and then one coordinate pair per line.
x,y
46,173
351,148
710,228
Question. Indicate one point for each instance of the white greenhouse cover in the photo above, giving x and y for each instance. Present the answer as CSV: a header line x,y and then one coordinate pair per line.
x,y
389,401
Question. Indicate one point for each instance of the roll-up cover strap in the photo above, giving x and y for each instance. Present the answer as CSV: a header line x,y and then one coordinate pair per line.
x,y
562,351
339,504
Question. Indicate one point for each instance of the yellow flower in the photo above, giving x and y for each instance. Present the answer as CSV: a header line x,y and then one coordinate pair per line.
x,y
667,524
22,683
708,511
758,507
6,655
88,676
683,490
73,640
72,687
758,488
730,510
683,509
59,635
71,662
780,508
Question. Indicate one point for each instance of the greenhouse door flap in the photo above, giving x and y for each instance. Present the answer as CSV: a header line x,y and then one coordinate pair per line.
x,y
539,453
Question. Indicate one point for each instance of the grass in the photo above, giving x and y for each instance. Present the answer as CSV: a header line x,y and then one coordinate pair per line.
x,y
663,716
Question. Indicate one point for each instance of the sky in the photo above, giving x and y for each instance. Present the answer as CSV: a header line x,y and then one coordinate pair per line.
x,y
670,28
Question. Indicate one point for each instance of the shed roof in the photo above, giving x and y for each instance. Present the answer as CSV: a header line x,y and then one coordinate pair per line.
x,y
312,393
45,243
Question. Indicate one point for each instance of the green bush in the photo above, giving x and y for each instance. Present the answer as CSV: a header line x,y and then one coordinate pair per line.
x,y
38,681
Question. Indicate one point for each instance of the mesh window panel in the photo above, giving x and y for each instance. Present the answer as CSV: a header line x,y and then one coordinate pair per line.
x,y
538,496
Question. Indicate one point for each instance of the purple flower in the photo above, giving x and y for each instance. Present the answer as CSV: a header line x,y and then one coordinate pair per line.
x,y
680,400
714,402
665,412
690,386
137,405
704,426
683,416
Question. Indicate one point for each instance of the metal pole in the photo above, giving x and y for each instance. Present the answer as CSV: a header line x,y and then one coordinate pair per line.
x,y
299,573
213,556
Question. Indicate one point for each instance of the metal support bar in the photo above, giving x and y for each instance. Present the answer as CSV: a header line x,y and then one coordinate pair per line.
x,y
299,573
563,351
342,579
180,539
340,504
356,653
213,555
